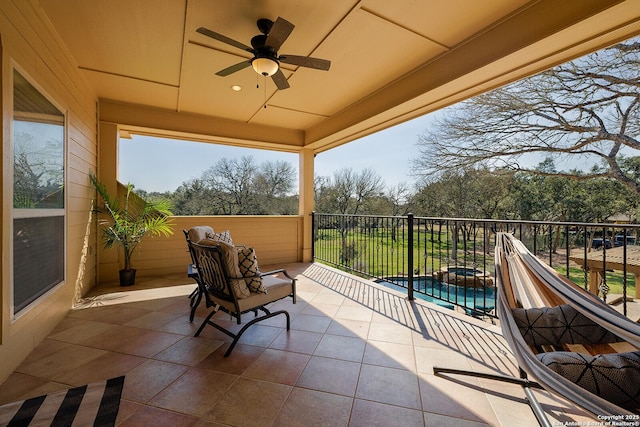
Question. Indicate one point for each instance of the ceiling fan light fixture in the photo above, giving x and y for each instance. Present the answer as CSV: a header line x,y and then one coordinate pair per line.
x,y
265,66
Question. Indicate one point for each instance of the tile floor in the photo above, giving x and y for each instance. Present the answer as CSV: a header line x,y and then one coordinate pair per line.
x,y
356,355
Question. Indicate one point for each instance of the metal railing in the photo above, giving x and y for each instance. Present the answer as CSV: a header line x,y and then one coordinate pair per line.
x,y
449,261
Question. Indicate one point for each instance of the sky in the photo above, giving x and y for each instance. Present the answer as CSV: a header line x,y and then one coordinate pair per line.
x,y
159,164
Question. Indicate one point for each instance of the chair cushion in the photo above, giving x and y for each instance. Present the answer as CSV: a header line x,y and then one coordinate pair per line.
x,y
230,257
199,232
276,288
223,236
248,264
614,377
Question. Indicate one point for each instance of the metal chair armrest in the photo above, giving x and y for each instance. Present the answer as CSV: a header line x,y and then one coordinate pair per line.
x,y
279,271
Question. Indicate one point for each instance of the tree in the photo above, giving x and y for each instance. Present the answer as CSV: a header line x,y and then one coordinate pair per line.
x,y
348,193
239,187
584,112
231,180
273,185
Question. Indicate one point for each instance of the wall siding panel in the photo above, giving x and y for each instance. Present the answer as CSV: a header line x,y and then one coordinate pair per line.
x,y
29,42
277,240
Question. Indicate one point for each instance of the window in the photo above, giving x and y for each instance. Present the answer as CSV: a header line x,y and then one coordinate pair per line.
x,y
38,194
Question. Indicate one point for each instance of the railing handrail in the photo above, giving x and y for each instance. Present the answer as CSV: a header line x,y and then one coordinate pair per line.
x,y
501,221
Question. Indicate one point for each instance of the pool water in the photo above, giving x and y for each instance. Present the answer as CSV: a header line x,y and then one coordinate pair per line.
x,y
445,294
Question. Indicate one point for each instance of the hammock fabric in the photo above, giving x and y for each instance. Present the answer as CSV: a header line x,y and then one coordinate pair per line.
x,y
567,339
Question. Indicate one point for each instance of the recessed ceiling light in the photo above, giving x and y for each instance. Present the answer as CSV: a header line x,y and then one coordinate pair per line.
x,y
236,88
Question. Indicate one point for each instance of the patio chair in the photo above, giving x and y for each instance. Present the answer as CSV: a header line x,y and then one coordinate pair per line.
x,y
226,289
195,234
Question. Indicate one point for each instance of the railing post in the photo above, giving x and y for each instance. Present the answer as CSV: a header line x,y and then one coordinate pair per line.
x,y
313,236
410,255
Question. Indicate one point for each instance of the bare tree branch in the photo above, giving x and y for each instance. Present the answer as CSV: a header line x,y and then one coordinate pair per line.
x,y
585,112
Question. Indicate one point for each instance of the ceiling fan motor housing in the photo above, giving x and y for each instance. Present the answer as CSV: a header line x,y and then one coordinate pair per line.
x,y
265,48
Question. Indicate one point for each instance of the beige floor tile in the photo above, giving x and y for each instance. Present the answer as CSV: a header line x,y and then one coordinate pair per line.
x,y
109,365
355,312
387,385
160,303
321,309
250,402
139,342
390,332
329,298
297,341
114,313
195,393
260,335
427,358
437,420
154,320
391,355
67,358
277,366
150,416
330,375
287,304
80,331
340,347
305,322
353,328
374,414
71,322
306,408
150,378
189,351
126,410
458,397
240,359
20,386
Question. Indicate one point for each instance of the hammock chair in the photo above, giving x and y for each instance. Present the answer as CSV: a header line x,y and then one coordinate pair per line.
x,y
563,337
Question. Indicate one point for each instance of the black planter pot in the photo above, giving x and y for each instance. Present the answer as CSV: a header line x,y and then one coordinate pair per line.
x,y
128,277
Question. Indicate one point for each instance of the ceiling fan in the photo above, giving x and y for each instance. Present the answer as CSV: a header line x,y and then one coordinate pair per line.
x,y
266,60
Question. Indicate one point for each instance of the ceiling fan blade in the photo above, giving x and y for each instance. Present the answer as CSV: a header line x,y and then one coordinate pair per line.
x,y
306,61
224,39
280,80
279,33
233,68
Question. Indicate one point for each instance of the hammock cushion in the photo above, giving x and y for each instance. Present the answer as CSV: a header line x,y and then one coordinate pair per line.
x,y
614,377
559,325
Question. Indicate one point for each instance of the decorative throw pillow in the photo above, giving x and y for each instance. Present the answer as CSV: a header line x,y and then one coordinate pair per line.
x,y
614,376
248,264
230,258
223,236
559,325
199,232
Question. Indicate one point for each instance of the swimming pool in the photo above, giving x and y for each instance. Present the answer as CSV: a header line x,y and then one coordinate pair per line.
x,y
444,294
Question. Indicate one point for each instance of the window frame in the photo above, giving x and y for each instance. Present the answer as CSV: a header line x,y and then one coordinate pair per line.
x,y
22,213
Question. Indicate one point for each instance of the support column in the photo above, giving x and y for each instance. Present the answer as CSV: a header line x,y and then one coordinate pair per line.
x,y
306,203
107,173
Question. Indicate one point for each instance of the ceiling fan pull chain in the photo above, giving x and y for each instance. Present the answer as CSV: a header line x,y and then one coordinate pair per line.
x,y
265,91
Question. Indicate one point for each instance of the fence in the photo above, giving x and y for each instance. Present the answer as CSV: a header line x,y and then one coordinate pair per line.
x,y
449,261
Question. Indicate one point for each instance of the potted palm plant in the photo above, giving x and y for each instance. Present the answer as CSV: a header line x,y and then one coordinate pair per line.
x,y
126,223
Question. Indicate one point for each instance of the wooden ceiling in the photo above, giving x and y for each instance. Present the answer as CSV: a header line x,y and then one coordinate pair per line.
x,y
390,60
